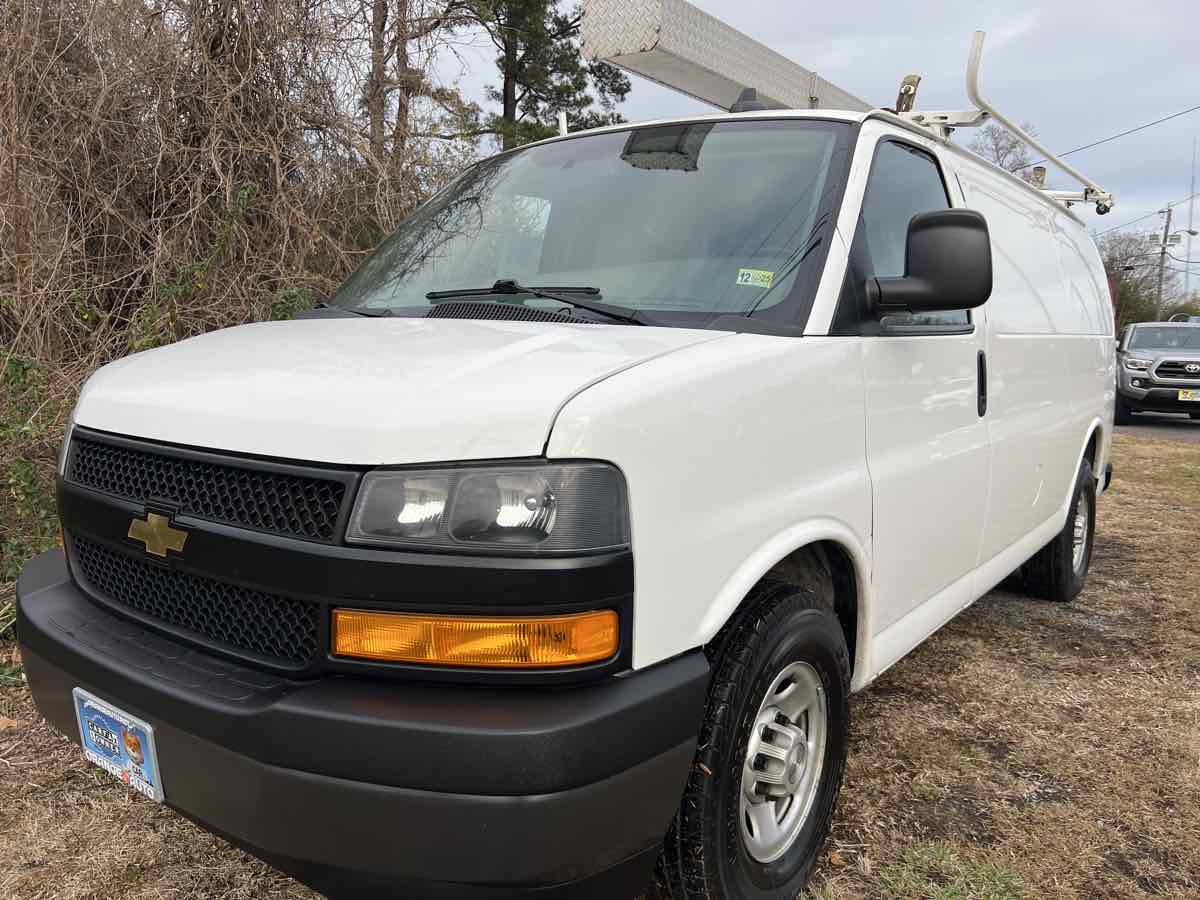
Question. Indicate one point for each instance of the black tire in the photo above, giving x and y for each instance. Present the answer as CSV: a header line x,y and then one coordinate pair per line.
x,y
1122,414
1052,574
703,856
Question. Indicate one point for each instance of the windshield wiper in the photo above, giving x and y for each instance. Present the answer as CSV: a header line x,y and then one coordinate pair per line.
x,y
383,313
506,286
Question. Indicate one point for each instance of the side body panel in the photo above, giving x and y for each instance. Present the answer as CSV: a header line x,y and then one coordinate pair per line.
x,y
927,445
736,453
1050,354
1050,388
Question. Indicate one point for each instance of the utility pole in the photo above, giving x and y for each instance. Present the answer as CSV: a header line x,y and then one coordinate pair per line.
x,y
1162,264
1187,270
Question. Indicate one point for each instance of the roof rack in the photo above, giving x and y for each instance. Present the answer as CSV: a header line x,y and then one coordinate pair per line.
x,y
684,48
943,123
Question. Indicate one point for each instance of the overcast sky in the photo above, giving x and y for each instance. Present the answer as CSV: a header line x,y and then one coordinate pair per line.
x,y
1079,71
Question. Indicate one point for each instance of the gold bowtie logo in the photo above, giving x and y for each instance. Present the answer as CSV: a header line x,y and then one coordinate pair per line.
x,y
156,533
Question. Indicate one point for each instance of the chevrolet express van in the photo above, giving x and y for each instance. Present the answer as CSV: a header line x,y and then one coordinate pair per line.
x,y
545,559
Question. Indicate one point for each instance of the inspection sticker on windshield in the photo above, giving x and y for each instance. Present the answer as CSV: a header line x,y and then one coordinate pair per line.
x,y
120,744
759,278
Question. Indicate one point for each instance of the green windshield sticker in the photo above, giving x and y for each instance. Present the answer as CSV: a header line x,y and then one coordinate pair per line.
x,y
759,278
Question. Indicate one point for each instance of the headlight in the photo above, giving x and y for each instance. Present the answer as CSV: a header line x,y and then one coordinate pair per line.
x,y
1138,365
575,507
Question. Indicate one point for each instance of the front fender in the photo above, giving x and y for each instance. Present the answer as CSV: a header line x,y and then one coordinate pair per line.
x,y
782,545
733,452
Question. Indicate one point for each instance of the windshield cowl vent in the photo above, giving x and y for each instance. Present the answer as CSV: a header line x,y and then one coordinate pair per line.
x,y
476,309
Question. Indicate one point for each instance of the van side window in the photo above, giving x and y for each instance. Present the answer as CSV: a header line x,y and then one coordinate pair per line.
x,y
904,181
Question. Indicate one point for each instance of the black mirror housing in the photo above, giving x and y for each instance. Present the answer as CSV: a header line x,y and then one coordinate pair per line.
x,y
947,265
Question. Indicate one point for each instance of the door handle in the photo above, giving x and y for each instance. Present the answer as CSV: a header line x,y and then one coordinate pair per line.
x,y
981,364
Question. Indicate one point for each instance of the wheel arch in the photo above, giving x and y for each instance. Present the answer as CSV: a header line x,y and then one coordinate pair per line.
x,y
826,540
1091,450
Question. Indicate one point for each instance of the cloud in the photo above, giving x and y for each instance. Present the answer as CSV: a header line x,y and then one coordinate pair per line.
x,y
1012,31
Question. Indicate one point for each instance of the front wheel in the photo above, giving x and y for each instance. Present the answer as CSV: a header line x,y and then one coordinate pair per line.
x,y
760,798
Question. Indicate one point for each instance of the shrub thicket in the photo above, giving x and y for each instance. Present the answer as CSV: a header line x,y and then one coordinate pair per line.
x,y
168,167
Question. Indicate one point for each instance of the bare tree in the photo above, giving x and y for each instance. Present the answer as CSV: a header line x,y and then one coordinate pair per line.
x,y
998,145
1132,263
172,166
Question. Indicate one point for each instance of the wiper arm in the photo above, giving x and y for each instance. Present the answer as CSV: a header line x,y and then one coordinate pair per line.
x,y
559,294
355,310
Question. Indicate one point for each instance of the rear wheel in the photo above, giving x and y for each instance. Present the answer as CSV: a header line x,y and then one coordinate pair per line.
x,y
1122,415
761,794
1059,569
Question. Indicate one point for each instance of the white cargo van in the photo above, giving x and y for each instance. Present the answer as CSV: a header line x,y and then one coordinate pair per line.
x,y
555,545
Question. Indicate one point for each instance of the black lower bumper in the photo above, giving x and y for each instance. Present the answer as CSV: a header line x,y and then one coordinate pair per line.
x,y
379,788
1160,400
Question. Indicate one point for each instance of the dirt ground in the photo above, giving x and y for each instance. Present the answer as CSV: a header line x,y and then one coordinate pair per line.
x,y
1027,750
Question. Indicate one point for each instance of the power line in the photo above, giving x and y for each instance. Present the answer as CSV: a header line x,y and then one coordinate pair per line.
x,y
1115,136
1127,224
1147,215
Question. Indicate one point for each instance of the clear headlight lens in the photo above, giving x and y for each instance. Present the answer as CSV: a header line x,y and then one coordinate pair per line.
x,y
544,508
404,507
507,508
1138,365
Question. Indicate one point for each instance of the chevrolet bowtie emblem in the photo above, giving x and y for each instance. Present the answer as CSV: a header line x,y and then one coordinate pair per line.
x,y
156,533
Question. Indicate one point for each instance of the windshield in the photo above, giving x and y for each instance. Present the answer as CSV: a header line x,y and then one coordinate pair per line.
x,y
1165,338
684,222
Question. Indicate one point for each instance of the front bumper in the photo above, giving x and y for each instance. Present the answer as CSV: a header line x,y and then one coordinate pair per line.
x,y
1155,395
386,789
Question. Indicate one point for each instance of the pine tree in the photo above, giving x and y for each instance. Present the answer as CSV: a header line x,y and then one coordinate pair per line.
x,y
542,72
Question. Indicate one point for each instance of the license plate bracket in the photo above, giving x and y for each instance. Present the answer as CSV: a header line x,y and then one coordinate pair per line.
x,y
119,743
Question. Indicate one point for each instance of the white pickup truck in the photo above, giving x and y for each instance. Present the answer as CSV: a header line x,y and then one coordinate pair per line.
x,y
575,519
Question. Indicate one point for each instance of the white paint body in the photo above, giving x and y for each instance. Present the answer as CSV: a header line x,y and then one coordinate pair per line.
x,y
738,449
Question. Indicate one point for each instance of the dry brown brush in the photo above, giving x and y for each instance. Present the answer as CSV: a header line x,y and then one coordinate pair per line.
x,y
172,166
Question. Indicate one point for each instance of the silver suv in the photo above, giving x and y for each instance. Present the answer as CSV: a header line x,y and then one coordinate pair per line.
x,y
1158,369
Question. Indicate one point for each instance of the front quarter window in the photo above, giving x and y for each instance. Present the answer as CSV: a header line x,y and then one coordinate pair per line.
x,y
684,223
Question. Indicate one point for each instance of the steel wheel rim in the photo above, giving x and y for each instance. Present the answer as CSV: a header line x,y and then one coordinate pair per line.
x,y
785,757
1080,532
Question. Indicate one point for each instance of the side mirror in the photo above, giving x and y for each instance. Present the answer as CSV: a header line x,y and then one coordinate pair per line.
x,y
947,265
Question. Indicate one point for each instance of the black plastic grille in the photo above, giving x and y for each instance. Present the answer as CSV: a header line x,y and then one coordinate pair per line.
x,y
1177,368
276,502
279,628
477,309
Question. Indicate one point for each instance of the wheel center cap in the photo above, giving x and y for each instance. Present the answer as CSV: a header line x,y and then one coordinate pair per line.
x,y
795,764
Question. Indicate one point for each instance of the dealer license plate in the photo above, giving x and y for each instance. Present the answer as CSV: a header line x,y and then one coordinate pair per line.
x,y
120,744
1193,395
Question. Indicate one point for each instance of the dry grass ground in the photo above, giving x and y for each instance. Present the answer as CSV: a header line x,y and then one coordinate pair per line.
x,y
1027,750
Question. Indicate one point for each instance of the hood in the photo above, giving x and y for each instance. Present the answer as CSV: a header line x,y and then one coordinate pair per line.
x,y
367,391
1157,353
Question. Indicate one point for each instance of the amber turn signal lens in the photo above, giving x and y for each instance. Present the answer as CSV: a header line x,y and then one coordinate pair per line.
x,y
507,643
